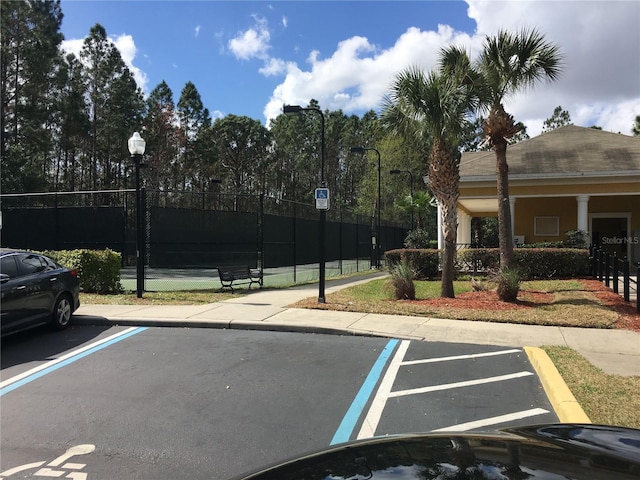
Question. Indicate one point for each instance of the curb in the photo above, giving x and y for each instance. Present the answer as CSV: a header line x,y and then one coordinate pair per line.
x,y
564,403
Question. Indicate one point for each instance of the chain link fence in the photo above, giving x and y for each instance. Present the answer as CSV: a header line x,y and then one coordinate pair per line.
x,y
189,234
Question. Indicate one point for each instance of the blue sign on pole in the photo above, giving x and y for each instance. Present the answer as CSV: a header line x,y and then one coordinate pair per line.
x,y
322,198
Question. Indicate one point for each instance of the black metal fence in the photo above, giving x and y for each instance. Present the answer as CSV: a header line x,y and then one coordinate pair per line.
x,y
188,230
614,271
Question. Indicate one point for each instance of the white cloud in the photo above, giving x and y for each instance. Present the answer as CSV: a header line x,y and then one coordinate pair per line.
x,y
253,42
358,74
600,42
197,30
285,22
127,48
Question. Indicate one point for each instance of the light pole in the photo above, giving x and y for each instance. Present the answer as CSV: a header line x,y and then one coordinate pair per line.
x,y
296,109
136,148
396,172
378,233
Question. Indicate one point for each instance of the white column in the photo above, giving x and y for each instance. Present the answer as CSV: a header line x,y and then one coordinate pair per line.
x,y
464,228
512,207
583,212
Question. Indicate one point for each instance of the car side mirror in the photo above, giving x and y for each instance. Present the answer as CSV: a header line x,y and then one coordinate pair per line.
x,y
4,278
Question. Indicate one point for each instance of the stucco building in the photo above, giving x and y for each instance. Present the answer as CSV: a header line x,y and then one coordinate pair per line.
x,y
571,178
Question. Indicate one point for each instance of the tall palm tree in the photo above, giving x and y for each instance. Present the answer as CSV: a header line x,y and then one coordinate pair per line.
x,y
509,63
434,107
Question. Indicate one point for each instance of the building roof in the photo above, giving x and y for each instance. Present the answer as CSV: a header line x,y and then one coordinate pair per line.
x,y
565,151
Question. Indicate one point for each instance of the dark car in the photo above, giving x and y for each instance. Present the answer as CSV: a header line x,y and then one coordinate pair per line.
x,y
551,452
35,290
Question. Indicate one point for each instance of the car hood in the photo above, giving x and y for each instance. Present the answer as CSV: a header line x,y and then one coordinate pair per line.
x,y
554,452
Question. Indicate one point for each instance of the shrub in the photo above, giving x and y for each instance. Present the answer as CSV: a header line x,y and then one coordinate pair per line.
x,y
420,238
532,262
424,262
508,283
98,270
402,276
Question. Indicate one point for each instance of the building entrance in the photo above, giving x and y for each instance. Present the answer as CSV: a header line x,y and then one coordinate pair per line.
x,y
611,235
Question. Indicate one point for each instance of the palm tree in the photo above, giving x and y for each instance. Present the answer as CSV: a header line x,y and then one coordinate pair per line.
x,y
508,64
434,107
417,204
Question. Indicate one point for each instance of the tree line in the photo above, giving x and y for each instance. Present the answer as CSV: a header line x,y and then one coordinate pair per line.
x,y
66,120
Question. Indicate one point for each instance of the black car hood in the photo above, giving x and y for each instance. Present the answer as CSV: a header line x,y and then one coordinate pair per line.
x,y
554,452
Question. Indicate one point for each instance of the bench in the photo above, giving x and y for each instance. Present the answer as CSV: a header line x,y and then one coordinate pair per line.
x,y
229,275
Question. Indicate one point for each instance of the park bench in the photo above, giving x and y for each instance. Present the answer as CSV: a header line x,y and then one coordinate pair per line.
x,y
239,274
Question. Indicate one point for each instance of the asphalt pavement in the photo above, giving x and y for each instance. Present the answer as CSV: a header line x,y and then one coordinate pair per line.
x,y
613,351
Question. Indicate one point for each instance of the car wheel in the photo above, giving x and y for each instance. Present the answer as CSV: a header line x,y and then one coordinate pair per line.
x,y
61,313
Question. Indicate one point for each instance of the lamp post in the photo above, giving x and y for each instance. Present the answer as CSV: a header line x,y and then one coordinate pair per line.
x,y
297,109
396,172
136,148
378,233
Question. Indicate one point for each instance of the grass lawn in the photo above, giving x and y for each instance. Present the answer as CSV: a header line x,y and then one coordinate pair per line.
x,y
570,303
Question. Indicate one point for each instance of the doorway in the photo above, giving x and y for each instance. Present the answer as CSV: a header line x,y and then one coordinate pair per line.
x,y
611,235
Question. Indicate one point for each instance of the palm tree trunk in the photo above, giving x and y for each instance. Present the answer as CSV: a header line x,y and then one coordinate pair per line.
x,y
504,206
444,180
449,227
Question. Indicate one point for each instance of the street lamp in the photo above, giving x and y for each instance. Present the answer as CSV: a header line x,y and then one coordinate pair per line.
x,y
136,148
396,172
296,109
378,233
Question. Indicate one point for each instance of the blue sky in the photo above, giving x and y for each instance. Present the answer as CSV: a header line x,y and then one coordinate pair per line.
x,y
249,58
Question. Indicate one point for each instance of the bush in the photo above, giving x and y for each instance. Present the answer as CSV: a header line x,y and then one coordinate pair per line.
x,y
98,270
402,276
424,262
420,238
508,284
532,262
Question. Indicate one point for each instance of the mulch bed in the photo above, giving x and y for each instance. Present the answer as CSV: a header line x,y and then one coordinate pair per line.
x,y
629,319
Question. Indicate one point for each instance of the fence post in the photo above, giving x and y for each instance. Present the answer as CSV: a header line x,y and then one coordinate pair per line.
x,y
625,280
594,261
607,263
637,293
600,264
615,272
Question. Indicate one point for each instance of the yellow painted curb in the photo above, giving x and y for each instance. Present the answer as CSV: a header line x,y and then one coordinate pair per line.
x,y
564,403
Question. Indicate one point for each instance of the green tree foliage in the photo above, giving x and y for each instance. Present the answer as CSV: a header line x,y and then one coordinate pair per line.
x,y
510,63
436,106
242,148
29,60
115,109
560,118
161,135
195,158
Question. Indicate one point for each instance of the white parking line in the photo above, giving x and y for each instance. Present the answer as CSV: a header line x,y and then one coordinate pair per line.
x,y
371,421
461,357
468,383
485,422
14,382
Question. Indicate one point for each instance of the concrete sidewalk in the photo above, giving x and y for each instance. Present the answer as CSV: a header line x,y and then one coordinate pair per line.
x,y
613,351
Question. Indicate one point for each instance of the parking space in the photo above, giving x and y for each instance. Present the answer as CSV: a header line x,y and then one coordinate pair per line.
x,y
434,386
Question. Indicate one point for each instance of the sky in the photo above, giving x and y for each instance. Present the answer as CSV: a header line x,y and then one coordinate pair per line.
x,y
252,57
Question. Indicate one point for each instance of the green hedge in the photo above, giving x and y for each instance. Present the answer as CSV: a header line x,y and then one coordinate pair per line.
x,y
425,262
98,270
533,262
